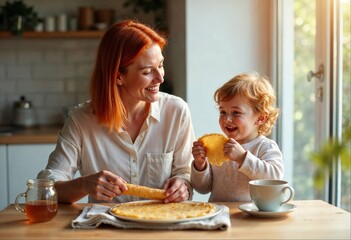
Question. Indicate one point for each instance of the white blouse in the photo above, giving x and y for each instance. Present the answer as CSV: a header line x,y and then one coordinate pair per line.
x,y
161,150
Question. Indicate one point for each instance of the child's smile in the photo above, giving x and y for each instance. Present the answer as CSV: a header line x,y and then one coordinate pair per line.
x,y
231,129
237,119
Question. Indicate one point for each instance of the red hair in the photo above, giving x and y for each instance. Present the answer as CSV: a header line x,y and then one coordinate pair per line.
x,y
119,46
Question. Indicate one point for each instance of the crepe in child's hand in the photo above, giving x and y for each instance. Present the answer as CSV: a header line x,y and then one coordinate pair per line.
x,y
214,144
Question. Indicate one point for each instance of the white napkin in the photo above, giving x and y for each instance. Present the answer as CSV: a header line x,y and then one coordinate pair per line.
x,y
95,215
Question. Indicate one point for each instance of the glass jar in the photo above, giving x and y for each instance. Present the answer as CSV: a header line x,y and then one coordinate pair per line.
x,y
41,200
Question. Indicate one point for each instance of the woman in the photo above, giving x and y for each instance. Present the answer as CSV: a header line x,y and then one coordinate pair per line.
x,y
128,131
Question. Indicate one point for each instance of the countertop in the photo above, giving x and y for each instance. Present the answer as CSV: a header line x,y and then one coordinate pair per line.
x,y
313,219
40,134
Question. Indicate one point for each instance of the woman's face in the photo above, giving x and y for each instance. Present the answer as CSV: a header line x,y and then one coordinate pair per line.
x,y
142,79
238,120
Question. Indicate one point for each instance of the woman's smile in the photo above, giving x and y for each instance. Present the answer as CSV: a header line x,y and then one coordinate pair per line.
x,y
153,89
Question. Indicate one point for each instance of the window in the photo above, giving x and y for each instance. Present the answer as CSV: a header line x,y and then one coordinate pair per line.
x,y
321,105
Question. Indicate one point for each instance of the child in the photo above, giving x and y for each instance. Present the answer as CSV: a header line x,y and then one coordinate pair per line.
x,y
247,113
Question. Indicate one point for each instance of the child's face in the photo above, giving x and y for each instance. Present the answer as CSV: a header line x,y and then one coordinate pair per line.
x,y
238,120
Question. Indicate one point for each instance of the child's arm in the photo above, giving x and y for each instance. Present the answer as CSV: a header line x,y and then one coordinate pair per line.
x,y
264,160
199,154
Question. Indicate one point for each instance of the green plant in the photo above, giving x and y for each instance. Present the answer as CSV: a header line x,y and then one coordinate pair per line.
x,y
145,5
157,7
17,17
330,151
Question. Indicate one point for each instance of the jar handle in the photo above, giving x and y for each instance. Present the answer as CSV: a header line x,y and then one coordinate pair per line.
x,y
17,206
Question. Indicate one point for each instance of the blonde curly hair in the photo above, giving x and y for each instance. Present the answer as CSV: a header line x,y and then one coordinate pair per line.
x,y
259,93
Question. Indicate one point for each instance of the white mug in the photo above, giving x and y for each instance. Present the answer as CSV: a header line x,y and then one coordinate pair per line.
x,y
269,195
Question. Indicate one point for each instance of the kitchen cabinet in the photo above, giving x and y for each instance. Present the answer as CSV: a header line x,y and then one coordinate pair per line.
x,y
18,163
3,178
24,162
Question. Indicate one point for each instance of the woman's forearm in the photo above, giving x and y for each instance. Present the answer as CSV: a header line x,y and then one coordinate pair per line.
x,y
70,191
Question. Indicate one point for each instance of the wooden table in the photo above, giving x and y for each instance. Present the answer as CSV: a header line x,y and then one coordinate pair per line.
x,y
314,219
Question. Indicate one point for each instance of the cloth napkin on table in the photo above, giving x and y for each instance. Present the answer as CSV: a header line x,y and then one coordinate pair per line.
x,y
95,215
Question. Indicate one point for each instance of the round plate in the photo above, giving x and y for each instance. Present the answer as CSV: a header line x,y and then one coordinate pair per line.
x,y
251,209
218,209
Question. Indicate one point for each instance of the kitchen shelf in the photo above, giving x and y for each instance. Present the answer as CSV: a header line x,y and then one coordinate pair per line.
x,y
47,35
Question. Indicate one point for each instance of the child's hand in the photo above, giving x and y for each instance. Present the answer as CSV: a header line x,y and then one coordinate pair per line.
x,y
234,151
199,154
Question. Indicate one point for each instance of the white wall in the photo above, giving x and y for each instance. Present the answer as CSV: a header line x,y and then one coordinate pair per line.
x,y
222,38
52,73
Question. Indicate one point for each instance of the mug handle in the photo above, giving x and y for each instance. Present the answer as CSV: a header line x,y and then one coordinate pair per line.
x,y
292,193
17,206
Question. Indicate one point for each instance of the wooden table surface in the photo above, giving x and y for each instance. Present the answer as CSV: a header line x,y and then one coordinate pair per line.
x,y
314,219
40,134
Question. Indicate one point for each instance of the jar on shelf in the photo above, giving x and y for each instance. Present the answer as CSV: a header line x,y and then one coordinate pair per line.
x,y
86,18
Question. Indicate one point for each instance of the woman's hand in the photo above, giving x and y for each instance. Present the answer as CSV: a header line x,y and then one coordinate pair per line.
x,y
234,151
199,154
103,185
176,190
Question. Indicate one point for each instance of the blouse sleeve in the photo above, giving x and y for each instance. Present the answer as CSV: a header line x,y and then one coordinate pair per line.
x,y
64,161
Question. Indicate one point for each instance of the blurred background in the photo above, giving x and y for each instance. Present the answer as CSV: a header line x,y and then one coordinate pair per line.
x,y
47,56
